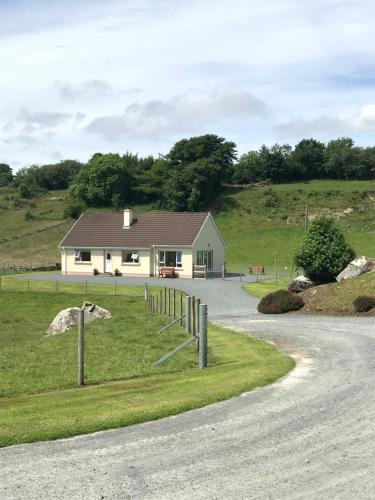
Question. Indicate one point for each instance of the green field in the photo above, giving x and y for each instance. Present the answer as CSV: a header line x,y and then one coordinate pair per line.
x,y
260,223
38,397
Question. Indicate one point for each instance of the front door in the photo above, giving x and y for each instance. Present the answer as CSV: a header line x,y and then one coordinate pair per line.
x,y
108,261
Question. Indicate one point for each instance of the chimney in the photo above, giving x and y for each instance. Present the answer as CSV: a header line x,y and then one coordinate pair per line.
x,y
128,217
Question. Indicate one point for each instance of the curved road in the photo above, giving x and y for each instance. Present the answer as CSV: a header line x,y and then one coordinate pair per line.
x,y
310,435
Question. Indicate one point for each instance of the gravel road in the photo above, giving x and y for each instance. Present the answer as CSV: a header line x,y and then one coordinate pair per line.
x,y
309,435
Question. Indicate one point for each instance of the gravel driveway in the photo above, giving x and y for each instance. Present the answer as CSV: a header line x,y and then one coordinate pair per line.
x,y
310,435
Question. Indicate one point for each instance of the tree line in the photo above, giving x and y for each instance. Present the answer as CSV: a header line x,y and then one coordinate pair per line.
x,y
192,174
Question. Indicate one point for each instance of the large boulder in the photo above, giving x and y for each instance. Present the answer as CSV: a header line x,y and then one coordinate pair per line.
x,y
356,267
68,318
299,284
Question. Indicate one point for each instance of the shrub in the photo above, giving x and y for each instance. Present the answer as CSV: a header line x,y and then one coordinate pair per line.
x,y
363,303
280,302
324,252
96,272
117,272
29,215
73,210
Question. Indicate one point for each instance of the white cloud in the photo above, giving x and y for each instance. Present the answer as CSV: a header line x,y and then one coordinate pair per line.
x,y
191,112
124,70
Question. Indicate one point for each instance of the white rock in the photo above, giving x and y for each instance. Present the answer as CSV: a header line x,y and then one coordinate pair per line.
x,y
301,283
356,267
67,318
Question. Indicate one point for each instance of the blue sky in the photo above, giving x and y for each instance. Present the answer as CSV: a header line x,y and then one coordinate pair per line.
x,y
77,77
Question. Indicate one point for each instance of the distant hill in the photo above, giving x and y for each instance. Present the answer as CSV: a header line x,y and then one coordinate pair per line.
x,y
260,223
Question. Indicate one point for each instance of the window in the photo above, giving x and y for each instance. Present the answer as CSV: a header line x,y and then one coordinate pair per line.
x,y
130,257
82,255
170,259
205,258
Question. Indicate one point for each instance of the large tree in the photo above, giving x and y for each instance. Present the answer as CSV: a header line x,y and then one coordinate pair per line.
x,y
307,158
196,169
341,159
107,179
249,168
6,175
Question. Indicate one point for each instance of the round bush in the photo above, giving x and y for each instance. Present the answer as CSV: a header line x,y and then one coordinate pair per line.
x,y
280,302
363,303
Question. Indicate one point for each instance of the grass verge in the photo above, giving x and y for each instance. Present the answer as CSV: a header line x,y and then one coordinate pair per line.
x,y
238,363
262,288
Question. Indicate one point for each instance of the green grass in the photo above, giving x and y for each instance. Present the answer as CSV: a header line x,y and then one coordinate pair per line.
x,y
124,347
337,298
239,363
254,220
265,287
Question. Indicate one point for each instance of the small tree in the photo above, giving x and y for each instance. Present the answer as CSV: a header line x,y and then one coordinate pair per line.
x,y
324,252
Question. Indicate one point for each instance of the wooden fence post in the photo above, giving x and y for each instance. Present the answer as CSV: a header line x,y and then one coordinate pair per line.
x,y
161,301
174,303
169,301
81,347
165,300
203,336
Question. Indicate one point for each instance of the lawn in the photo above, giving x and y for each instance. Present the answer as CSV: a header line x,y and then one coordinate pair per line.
x,y
262,288
123,347
38,397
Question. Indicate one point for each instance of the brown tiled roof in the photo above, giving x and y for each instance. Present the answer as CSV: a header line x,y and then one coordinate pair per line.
x,y
106,230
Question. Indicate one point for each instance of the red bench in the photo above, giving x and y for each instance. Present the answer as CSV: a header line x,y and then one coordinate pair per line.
x,y
167,272
256,269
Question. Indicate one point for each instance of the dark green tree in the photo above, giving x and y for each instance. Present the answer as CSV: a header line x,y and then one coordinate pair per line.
x,y
324,252
195,170
341,159
6,175
249,168
307,159
276,162
105,180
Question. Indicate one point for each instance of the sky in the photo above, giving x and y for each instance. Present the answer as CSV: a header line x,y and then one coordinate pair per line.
x,y
82,76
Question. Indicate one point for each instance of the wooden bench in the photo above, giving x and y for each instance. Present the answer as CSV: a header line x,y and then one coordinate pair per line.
x,y
256,269
166,272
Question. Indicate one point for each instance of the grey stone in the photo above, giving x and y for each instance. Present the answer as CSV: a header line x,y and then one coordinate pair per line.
x,y
301,283
68,318
356,267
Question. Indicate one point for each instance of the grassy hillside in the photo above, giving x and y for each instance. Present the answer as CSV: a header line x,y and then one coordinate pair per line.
x,y
260,223
337,298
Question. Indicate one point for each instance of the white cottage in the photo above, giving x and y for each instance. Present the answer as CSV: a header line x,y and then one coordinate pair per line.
x,y
146,244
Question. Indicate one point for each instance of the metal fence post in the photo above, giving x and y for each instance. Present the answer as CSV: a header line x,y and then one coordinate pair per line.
x,y
193,312
181,308
203,336
188,314
145,292
81,347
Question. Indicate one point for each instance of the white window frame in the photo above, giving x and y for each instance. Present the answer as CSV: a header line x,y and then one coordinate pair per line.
x,y
78,255
134,257
161,258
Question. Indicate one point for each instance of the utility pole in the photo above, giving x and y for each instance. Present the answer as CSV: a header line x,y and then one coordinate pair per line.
x,y
306,218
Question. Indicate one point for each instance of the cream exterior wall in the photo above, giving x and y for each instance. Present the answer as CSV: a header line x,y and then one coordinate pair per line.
x,y
209,239
142,268
186,271
69,266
